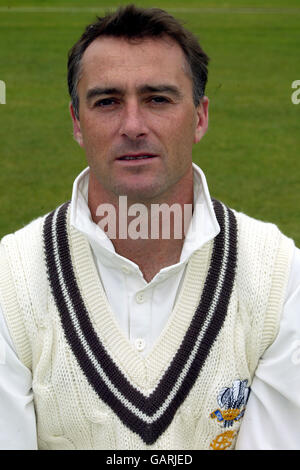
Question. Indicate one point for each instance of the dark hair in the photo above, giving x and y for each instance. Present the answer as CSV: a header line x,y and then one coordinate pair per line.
x,y
131,22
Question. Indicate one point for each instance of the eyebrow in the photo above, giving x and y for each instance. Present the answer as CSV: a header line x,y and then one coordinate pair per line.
x,y
97,91
171,89
144,89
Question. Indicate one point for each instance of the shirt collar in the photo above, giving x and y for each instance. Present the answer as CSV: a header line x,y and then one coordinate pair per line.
x,y
203,228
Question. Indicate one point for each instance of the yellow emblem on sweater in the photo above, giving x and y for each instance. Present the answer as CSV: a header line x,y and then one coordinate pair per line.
x,y
222,441
227,416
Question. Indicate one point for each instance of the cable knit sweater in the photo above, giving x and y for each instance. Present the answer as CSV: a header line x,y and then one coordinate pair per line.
x,y
92,390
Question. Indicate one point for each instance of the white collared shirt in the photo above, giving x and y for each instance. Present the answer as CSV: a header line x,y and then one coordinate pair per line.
x,y
274,404
137,301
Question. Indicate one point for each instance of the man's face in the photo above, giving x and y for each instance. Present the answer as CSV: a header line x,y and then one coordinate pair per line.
x,y
137,119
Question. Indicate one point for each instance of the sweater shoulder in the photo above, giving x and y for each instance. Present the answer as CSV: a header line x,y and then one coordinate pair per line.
x,y
23,250
29,232
251,224
264,263
23,285
261,243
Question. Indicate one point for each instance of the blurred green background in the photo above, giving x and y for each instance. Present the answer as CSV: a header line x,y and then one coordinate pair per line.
x,y
250,153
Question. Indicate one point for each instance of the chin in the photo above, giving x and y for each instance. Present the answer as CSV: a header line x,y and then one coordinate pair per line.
x,y
139,193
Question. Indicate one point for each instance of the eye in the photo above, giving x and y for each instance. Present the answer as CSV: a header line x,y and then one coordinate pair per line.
x,y
159,99
105,102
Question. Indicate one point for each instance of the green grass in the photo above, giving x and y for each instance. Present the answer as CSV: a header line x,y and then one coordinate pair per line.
x,y
250,153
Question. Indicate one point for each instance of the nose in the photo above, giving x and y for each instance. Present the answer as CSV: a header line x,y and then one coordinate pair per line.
x,y
133,124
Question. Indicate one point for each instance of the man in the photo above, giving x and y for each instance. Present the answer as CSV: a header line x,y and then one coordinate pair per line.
x,y
146,342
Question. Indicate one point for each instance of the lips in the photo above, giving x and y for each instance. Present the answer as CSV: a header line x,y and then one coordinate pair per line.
x,y
140,156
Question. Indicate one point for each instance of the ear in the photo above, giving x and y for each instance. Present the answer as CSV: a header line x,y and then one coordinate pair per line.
x,y
76,126
202,119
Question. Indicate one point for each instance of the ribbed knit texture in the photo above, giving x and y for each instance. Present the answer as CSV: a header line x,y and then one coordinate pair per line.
x,y
70,411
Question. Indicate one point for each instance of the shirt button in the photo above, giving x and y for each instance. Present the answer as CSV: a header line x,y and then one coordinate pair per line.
x,y
140,297
140,344
125,269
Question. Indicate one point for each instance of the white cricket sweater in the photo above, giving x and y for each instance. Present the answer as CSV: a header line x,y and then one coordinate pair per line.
x,y
92,390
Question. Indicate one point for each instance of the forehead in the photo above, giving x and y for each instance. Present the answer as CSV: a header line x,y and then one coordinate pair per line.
x,y
118,59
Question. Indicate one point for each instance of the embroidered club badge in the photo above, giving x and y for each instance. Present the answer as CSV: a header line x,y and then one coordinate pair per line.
x,y
233,401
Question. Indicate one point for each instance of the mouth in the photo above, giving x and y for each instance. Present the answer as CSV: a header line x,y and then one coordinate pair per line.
x,y
135,157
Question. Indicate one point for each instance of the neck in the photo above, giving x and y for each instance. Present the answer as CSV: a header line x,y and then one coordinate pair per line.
x,y
151,234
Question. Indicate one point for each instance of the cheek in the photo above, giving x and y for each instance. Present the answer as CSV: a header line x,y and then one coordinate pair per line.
x,y
182,134
94,135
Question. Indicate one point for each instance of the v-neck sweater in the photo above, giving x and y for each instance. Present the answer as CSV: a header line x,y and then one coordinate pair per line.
x,y
91,387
